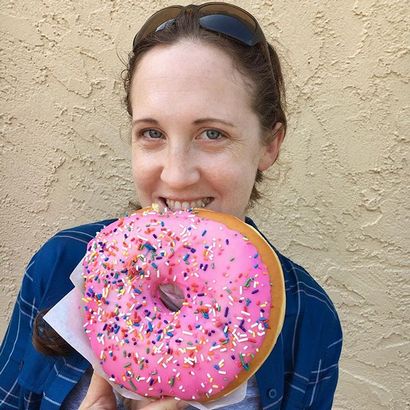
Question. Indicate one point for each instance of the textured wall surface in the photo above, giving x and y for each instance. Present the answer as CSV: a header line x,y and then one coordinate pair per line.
x,y
337,201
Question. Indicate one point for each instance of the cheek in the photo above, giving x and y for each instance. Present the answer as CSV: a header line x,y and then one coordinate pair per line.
x,y
235,177
143,169
136,168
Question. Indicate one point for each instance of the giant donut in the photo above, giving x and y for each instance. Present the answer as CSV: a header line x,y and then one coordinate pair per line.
x,y
185,304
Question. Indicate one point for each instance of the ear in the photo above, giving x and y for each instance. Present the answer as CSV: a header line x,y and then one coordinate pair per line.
x,y
270,151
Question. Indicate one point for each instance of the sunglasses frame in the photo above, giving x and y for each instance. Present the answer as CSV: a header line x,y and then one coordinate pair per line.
x,y
159,19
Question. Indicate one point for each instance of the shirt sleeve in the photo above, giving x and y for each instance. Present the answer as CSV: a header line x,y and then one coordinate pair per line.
x,y
323,380
26,374
14,344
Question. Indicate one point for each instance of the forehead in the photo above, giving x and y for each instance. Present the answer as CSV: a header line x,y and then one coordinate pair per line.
x,y
189,73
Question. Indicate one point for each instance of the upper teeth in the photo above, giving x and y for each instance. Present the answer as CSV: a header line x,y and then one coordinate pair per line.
x,y
175,205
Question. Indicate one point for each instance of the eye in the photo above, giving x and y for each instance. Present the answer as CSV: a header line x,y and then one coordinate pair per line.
x,y
212,134
151,134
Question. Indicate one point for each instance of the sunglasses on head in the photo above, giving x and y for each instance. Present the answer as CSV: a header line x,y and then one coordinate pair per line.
x,y
227,19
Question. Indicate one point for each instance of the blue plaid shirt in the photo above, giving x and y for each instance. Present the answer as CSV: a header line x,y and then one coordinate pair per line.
x,y
300,373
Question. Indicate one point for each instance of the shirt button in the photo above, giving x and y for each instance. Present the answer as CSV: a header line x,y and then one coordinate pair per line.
x,y
271,393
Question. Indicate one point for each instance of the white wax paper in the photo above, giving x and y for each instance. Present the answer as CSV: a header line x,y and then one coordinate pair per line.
x,y
66,318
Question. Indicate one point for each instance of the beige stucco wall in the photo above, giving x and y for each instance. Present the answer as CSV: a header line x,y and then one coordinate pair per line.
x,y
337,202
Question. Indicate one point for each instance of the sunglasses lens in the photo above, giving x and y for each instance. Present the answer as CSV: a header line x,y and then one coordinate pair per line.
x,y
157,20
230,26
165,25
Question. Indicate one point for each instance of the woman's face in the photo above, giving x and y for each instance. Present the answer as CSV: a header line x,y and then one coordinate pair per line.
x,y
195,140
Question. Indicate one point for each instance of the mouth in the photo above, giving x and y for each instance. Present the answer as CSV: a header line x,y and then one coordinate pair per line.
x,y
174,204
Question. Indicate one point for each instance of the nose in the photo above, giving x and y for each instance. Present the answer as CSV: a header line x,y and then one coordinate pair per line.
x,y
180,168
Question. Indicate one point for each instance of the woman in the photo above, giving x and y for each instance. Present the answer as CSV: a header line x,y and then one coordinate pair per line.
x,y
206,98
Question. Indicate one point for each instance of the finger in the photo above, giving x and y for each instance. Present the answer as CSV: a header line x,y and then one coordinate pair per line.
x,y
99,395
130,404
98,387
166,404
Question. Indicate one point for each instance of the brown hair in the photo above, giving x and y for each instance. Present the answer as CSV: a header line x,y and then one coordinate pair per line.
x,y
46,340
266,83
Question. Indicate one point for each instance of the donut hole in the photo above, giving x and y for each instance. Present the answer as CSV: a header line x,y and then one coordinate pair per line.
x,y
171,295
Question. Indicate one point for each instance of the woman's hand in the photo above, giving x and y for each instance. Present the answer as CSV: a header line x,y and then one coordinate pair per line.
x,y
164,404
100,395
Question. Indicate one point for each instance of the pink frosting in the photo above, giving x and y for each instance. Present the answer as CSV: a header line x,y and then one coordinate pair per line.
x,y
197,351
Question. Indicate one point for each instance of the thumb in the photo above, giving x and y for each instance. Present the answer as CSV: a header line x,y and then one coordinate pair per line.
x,y
100,395
166,404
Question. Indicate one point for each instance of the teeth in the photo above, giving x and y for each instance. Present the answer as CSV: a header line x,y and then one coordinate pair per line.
x,y
176,205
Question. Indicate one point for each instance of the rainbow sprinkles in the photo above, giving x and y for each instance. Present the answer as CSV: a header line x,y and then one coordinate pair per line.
x,y
199,348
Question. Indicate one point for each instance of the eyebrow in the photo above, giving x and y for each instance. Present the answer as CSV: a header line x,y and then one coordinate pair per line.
x,y
199,121
210,119
150,120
